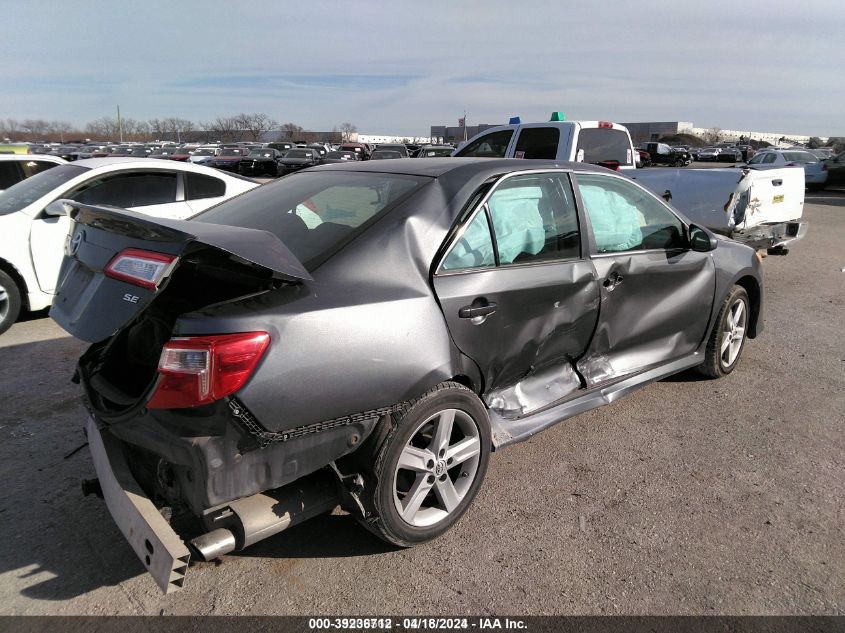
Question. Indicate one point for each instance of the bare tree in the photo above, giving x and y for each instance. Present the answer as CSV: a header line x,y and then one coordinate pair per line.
x,y
227,128
35,128
9,128
104,128
292,129
347,131
60,128
713,135
255,124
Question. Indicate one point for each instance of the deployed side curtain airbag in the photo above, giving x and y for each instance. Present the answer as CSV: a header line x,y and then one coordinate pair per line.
x,y
615,220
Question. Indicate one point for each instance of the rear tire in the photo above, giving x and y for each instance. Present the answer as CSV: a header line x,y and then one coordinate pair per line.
x,y
10,301
727,338
429,467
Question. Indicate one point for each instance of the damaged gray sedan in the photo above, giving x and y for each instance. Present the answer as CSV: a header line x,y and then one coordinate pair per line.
x,y
366,334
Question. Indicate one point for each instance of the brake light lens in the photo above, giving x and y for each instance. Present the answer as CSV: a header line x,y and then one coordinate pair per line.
x,y
199,370
605,124
141,268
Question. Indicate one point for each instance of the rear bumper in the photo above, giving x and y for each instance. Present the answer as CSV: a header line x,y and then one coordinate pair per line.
x,y
155,543
776,236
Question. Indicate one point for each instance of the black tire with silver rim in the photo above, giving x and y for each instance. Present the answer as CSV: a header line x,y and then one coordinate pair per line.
x,y
430,466
10,301
727,338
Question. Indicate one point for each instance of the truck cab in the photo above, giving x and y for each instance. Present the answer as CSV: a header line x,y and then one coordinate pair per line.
x,y
598,142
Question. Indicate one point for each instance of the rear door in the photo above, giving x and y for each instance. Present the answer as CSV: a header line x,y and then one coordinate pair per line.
x,y
656,293
518,297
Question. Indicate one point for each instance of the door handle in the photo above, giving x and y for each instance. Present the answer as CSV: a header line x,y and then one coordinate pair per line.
x,y
614,280
470,312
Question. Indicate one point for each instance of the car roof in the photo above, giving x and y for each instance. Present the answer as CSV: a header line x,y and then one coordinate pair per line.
x,y
470,167
26,157
144,163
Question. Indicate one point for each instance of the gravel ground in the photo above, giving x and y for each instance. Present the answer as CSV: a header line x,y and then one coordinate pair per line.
x,y
688,497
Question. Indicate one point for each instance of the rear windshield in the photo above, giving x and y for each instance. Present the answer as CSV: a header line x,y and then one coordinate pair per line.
x,y
28,191
315,214
233,152
604,144
299,153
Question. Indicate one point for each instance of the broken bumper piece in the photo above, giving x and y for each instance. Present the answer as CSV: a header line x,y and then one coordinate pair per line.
x,y
773,236
160,549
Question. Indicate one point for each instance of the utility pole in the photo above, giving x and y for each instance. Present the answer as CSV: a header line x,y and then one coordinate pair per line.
x,y
119,124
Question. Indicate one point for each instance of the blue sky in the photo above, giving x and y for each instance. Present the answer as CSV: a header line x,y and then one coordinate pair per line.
x,y
400,67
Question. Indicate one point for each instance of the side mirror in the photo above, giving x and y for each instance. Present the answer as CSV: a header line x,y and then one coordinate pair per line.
x,y
700,240
58,208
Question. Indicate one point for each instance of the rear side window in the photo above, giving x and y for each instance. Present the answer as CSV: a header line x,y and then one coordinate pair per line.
x,y
474,248
604,144
537,142
769,157
10,174
534,220
199,186
493,145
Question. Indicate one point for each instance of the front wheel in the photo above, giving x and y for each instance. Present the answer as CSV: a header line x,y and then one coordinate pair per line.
x,y
430,466
10,301
727,338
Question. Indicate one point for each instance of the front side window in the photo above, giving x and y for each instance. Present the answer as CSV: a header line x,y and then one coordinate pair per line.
x,y
493,145
625,217
537,142
769,158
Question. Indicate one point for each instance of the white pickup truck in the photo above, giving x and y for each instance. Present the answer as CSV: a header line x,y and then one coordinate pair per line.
x,y
760,208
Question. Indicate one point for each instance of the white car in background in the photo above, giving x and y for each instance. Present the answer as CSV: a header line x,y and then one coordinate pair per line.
x,y
204,154
34,225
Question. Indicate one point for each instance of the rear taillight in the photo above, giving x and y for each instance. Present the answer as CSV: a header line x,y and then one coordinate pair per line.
x,y
605,124
198,370
824,166
142,268
609,164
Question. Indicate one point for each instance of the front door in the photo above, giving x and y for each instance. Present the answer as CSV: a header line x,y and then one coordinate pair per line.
x,y
656,293
517,295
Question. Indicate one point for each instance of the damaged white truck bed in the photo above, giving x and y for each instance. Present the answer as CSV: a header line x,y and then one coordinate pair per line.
x,y
760,208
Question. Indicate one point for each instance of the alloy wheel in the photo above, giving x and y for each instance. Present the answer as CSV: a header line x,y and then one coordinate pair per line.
x,y
734,333
436,468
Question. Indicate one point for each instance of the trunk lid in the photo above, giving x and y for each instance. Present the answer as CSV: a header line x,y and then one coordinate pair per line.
x,y
93,306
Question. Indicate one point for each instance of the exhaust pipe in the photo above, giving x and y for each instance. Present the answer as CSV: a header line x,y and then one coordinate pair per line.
x,y
246,521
